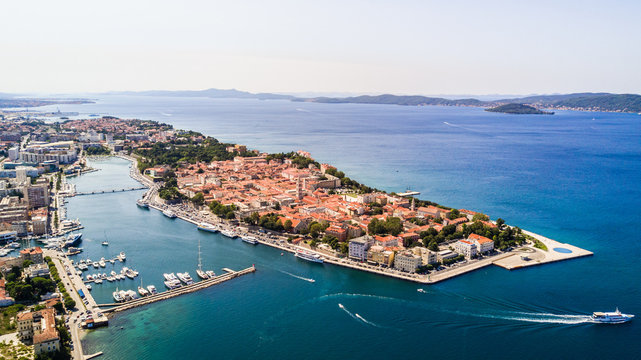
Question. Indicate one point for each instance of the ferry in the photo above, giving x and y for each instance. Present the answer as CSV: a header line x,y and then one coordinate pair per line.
x,y
615,317
152,289
142,204
207,227
170,214
309,256
117,296
250,240
230,234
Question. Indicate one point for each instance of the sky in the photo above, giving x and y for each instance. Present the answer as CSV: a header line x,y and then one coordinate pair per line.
x,y
401,47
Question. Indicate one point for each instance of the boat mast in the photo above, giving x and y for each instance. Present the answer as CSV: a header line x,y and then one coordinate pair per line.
x,y
200,266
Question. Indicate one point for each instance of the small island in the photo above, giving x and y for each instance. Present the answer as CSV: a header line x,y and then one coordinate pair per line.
x,y
518,109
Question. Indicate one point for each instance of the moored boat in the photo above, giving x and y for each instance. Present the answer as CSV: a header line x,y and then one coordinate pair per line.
x,y
249,239
142,204
230,234
307,256
170,214
207,227
152,289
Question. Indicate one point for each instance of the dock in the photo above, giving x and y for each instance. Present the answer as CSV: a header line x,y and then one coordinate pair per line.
x,y
176,292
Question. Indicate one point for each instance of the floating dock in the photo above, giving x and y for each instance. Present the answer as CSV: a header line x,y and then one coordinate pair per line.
x,y
175,292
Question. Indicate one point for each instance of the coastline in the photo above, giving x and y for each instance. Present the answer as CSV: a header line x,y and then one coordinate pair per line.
x,y
509,260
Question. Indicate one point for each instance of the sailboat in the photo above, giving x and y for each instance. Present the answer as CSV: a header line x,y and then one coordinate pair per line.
x,y
105,243
141,290
201,274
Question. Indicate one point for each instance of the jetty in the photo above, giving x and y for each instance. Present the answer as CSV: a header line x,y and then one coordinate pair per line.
x,y
109,191
230,274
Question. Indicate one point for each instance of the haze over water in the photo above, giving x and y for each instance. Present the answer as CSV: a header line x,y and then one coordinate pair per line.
x,y
572,177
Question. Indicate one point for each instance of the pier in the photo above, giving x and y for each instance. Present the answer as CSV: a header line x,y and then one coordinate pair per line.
x,y
116,307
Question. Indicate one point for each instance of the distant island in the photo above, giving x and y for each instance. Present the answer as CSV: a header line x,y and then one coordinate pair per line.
x,y
27,102
518,109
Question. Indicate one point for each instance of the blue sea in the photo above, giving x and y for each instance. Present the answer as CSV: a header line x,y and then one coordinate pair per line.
x,y
574,177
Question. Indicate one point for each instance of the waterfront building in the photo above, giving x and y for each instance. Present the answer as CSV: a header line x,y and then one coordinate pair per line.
x,y
20,227
37,195
338,232
482,243
358,247
35,270
445,255
377,255
39,224
427,256
466,248
39,327
5,300
407,261
34,254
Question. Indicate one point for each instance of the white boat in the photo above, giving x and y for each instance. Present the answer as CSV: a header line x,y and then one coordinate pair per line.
x,y
152,289
102,262
132,294
170,214
250,240
105,243
98,281
95,264
89,277
117,297
169,276
123,295
185,277
210,273
207,227
307,256
111,279
142,204
615,317
141,290
89,287
421,291
113,273
230,234
83,267
122,256
173,284
201,274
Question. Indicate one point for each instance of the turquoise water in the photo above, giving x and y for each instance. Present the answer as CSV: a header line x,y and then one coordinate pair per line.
x,y
573,177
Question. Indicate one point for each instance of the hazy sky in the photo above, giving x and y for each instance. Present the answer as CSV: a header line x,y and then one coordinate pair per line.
x,y
421,47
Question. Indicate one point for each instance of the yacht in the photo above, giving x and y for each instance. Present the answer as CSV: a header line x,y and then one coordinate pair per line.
x,y
152,289
230,234
185,277
88,287
250,240
123,295
207,227
105,243
72,240
98,281
95,264
122,256
113,273
170,214
309,256
201,274
89,277
132,294
210,273
169,277
83,267
141,290
615,317
102,262
172,284
142,204
117,296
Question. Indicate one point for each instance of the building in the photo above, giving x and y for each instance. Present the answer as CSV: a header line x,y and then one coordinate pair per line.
x,y
5,300
483,244
39,225
466,248
337,232
39,327
377,255
407,261
35,270
358,248
37,195
428,257
445,255
7,236
34,254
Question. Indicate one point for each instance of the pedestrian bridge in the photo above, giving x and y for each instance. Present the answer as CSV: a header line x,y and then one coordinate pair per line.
x,y
109,191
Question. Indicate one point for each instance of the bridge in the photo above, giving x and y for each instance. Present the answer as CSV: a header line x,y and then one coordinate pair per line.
x,y
230,274
109,191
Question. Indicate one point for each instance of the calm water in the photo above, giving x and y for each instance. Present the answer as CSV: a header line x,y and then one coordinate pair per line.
x,y
573,176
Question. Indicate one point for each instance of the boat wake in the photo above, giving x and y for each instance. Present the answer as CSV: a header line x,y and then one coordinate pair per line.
x,y
541,318
298,277
356,316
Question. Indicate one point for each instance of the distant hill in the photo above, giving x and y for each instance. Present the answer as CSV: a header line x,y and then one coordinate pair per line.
x,y
518,109
211,93
411,100
577,101
25,102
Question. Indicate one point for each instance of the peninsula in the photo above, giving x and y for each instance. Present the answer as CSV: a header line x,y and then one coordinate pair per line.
x,y
518,109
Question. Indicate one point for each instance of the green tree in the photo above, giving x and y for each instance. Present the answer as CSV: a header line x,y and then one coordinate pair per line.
x,y
198,199
287,226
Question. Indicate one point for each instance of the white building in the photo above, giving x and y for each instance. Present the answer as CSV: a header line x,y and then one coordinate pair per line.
x,y
407,261
358,247
14,153
483,244
466,248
